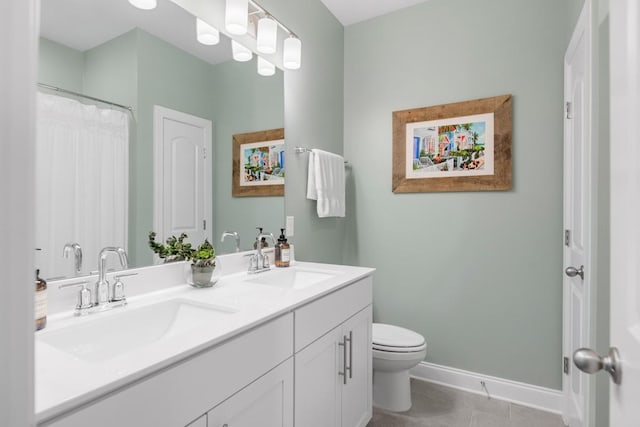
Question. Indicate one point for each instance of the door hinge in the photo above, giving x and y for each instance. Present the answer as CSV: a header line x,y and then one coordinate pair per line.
x,y
567,237
565,362
204,153
204,224
568,111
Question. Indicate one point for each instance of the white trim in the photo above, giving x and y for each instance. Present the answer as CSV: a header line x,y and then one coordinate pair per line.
x,y
530,395
18,72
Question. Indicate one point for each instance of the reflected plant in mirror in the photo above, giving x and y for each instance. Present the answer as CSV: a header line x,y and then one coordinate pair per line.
x,y
114,52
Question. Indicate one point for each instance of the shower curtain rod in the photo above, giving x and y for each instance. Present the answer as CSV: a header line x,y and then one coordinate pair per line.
x,y
57,89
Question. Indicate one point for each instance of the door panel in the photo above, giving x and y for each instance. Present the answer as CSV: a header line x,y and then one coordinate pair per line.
x,y
318,383
183,170
625,208
356,394
577,217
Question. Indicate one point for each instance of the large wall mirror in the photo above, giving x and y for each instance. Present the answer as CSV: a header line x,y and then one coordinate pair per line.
x,y
109,50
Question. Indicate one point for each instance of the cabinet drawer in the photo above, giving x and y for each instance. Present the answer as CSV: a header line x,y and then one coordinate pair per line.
x,y
319,317
178,394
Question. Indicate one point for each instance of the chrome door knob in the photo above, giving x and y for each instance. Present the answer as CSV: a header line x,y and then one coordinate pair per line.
x,y
573,272
590,362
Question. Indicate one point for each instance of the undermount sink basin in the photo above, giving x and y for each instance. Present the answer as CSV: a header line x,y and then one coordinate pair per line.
x,y
103,338
292,277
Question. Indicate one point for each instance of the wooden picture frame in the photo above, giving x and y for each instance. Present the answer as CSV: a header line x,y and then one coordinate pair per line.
x,y
258,164
463,146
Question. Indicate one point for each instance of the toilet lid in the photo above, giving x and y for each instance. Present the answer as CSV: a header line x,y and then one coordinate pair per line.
x,y
395,336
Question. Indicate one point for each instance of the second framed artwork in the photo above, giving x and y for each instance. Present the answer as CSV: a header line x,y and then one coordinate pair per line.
x,y
258,164
464,146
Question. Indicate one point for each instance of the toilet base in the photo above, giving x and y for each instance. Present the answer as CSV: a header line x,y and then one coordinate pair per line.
x,y
391,390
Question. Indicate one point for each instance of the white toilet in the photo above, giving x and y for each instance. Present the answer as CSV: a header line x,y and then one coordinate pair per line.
x,y
395,351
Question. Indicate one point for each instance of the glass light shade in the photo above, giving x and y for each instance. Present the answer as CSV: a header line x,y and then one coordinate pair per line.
x,y
267,35
236,16
240,53
144,4
265,68
292,53
206,33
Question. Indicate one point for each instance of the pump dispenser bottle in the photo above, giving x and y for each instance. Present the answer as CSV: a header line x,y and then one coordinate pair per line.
x,y
283,252
263,242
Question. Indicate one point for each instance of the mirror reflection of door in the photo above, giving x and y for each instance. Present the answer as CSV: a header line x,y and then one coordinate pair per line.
x,y
182,175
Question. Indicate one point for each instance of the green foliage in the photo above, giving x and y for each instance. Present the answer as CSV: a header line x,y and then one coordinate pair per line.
x,y
176,249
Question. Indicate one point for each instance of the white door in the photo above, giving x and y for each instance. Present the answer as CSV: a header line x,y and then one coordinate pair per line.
x,y
317,382
267,402
577,217
625,208
182,175
356,393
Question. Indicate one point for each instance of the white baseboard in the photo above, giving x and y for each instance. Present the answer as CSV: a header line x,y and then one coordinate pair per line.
x,y
533,396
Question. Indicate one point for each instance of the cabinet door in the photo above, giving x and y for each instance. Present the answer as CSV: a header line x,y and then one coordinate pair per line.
x,y
356,393
318,383
267,402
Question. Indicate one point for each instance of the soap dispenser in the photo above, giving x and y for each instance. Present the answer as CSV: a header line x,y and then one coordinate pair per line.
x,y
283,253
263,241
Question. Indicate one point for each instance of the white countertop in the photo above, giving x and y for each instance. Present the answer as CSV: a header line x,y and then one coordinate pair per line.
x,y
64,382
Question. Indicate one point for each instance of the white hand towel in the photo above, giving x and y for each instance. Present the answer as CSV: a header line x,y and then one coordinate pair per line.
x,y
326,183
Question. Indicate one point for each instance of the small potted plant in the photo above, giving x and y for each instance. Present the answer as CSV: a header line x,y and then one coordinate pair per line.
x,y
203,263
203,259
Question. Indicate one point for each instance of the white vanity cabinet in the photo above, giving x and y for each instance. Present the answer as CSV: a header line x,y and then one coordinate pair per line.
x,y
333,376
308,367
267,402
179,394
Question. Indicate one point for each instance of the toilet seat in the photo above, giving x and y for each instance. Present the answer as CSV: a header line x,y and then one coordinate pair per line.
x,y
399,349
396,339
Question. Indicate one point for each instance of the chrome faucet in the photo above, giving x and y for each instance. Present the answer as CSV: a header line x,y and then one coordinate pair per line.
x,y
259,262
232,234
77,254
102,285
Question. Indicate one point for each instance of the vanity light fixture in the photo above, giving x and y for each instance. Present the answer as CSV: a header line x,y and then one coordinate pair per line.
x,y
206,34
292,53
236,16
265,68
267,35
240,53
144,4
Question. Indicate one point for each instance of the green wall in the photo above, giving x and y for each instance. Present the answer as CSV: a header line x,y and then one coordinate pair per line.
x,y
255,105
479,274
60,66
314,117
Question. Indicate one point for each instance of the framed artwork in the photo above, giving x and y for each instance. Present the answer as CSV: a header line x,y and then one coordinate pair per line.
x,y
464,146
258,164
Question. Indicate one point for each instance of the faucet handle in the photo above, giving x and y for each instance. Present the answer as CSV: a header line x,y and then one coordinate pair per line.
x,y
85,299
117,293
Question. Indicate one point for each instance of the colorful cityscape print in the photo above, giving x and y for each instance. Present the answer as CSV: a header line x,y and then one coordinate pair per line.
x,y
263,163
458,149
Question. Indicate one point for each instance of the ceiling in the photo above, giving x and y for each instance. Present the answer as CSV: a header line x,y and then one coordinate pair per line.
x,y
82,24
352,11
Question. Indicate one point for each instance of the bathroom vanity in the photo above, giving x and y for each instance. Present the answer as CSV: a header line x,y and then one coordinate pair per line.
x,y
282,348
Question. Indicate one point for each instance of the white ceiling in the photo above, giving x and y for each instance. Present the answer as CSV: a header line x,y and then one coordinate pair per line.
x,y
85,24
352,11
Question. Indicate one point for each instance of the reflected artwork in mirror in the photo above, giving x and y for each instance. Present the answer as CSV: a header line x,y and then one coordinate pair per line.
x,y
112,51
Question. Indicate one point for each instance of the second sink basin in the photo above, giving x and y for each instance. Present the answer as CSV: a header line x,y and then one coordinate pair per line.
x,y
292,277
103,338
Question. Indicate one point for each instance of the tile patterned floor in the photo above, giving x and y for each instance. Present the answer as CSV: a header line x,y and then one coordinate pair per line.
x,y
439,406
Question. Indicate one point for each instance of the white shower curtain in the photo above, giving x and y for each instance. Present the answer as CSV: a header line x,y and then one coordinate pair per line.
x,y
82,170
